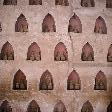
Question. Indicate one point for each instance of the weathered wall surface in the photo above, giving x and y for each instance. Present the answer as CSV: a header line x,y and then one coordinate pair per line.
x,y
60,71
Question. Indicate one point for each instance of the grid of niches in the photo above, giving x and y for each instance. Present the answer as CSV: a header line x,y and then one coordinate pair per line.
x,y
83,3
100,28
74,81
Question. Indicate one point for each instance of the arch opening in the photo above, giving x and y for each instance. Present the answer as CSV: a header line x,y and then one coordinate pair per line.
x,y
34,52
87,3
108,3
21,24
109,55
10,2
87,53
7,52
5,107
100,26
100,81
60,52
0,27
33,107
109,108
62,2
19,81
48,24
87,107
46,81
73,82
35,2
75,24
60,107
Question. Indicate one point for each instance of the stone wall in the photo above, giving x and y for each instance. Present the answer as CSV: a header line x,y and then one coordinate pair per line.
x,y
73,99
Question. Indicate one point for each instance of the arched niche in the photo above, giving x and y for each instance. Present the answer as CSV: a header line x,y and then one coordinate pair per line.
x,y
100,81
46,81
19,81
60,52
87,53
35,2
100,26
0,27
33,107
75,24
109,108
87,107
7,52
87,3
10,2
108,3
5,107
109,55
21,24
48,24
34,52
60,107
73,82
62,2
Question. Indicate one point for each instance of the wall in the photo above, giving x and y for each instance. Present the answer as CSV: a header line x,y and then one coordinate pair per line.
x,y
60,71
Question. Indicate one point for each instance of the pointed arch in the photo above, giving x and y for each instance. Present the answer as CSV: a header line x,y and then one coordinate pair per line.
x,y
34,52
5,107
0,27
19,81
87,3
33,107
48,24
87,53
10,2
60,107
108,3
109,55
7,52
73,82
100,81
109,108
100,26
87,107
46,81
75,24
21,24
60,52
35,2
62,2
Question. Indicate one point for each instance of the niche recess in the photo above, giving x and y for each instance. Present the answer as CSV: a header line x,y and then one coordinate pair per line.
x,y
100,26
35,2
46,81
10,2
7,52
33,107
5,107
75,24
100,81
48,24
62,2
60,52
73,82
87,3
87,107
21,24
34,52
87,53
19,81
60,107
109,55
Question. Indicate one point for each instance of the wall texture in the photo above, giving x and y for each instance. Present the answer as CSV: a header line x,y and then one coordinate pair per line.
x,y
74,99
